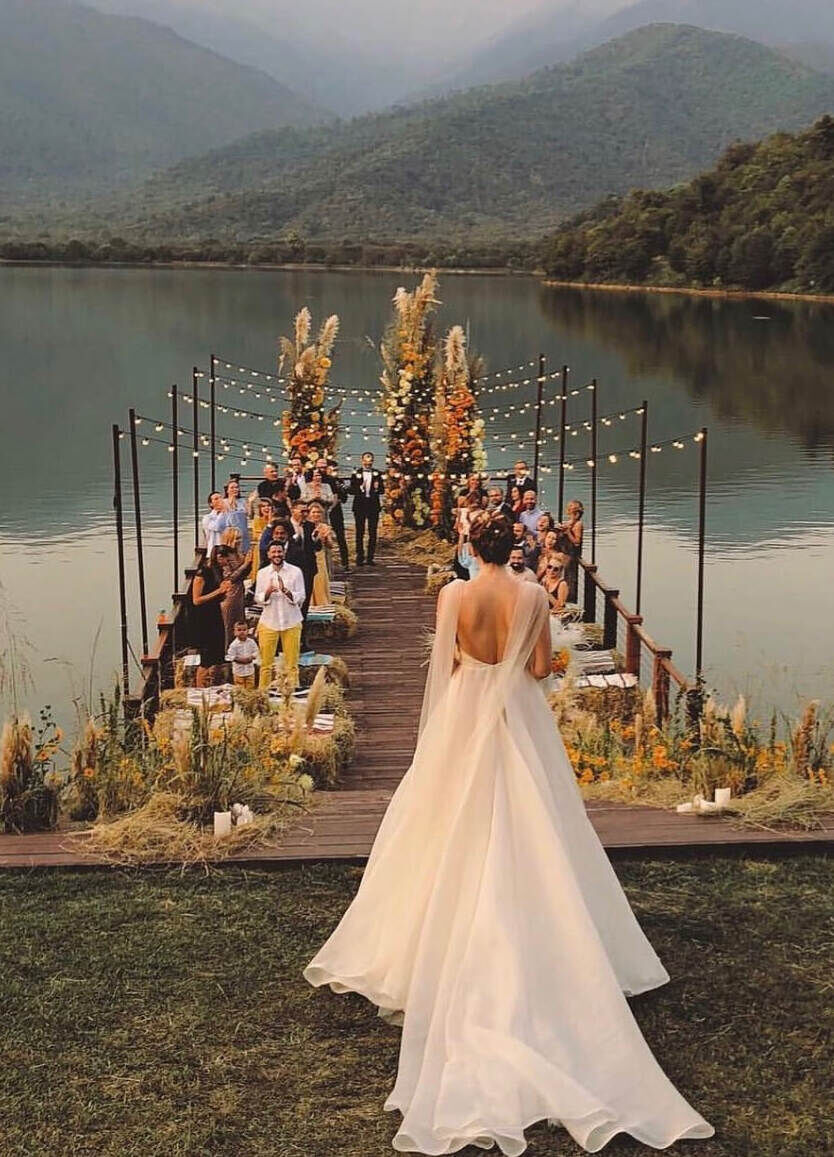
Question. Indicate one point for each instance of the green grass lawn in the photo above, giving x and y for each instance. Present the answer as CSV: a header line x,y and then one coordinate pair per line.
x,y
158,1014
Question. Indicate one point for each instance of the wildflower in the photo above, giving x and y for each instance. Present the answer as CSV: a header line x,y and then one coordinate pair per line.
x,y
737,717
88,772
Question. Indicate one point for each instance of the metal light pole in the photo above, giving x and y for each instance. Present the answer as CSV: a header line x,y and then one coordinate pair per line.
x,y
120,548
137,513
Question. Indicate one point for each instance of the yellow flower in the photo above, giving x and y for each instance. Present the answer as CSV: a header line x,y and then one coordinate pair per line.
x,y
325,362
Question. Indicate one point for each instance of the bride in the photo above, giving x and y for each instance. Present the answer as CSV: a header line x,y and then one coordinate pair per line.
x,y
489,922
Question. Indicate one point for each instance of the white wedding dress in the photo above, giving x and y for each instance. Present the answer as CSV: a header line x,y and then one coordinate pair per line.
x,y
491,925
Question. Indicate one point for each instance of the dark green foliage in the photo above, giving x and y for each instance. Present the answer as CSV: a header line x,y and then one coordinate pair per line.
x,y
496,163
91,101
762,219
148,1014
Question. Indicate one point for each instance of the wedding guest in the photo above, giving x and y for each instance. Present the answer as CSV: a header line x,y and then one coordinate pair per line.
x,y
243,654
281,592
211,529
337,515
366,486
531,512
295,477
205,629
520,478
497,505
474,489
572,533
469,505
321,538
304,550
271,481
549,547
281,503
518,567
319,491
555,583
235,517
260,522
515,501
232,566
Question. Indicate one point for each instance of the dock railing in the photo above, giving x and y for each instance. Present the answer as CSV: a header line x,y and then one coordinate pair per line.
x,y
623,631
158,665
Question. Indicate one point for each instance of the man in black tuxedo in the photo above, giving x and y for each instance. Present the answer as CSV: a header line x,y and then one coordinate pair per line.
x,y
521,479
366,486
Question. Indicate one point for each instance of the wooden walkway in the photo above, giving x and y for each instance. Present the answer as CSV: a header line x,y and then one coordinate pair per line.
x,y
387,664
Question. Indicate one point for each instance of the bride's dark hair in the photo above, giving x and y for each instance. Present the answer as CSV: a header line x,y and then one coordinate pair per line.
x,y
491,535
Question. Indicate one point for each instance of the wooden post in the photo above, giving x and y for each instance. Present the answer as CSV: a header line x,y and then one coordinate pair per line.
x,y
632,657
641,515
120,548
137,513
196,455
660,683
213,430
702,522
562,421
594,420
589,598
609,624
175,492
539,392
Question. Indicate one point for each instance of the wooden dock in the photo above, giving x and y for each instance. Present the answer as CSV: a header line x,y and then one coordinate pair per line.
x,y
387,663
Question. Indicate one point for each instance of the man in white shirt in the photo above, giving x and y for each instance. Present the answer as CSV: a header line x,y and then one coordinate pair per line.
x,y
211,529
280,590
517,566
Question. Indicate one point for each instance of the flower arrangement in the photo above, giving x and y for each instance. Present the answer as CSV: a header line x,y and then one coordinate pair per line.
x,y
28,780
457,431
408,384
309,429
780,776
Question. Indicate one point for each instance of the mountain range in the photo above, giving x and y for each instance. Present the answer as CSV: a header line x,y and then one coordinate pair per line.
x,y
555,33
92,101
649,109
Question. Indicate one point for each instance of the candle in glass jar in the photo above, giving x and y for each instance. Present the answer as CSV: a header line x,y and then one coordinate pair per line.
x,y
222,823
722,796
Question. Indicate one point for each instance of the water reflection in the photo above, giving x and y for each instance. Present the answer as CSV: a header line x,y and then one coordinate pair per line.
x,y
81,346
763,363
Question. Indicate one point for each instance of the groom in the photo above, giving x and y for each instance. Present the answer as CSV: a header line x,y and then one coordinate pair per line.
x,y
366,487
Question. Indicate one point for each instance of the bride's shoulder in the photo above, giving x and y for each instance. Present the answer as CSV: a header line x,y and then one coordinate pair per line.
x,y
450,589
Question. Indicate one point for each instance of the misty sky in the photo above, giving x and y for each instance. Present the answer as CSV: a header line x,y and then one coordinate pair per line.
x,y
442,28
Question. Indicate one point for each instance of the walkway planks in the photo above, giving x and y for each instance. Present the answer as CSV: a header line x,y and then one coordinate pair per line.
x,y
387,664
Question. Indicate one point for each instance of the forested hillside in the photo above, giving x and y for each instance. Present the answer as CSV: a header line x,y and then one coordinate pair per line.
x,y
92,101
508,161
761,219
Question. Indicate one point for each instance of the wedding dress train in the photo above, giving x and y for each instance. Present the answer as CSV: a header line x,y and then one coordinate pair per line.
x,y
490,924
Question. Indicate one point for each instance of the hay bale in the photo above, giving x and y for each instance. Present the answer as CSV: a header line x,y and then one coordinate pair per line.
x,y
342,626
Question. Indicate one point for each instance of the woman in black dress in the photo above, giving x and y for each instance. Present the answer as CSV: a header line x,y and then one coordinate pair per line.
x,y
205,628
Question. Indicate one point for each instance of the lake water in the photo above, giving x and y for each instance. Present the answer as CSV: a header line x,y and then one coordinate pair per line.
x,y
78,347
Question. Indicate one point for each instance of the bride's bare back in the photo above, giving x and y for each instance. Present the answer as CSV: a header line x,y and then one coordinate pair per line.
x,y
485,619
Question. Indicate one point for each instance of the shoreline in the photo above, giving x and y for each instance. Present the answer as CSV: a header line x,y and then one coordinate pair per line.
x,y
288,267
456,271
691,291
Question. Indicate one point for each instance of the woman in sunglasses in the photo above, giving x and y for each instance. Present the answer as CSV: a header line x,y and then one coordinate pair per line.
x,y
554,582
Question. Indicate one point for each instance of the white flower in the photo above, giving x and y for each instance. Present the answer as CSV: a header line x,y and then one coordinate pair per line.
x,y
305,782
296,760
